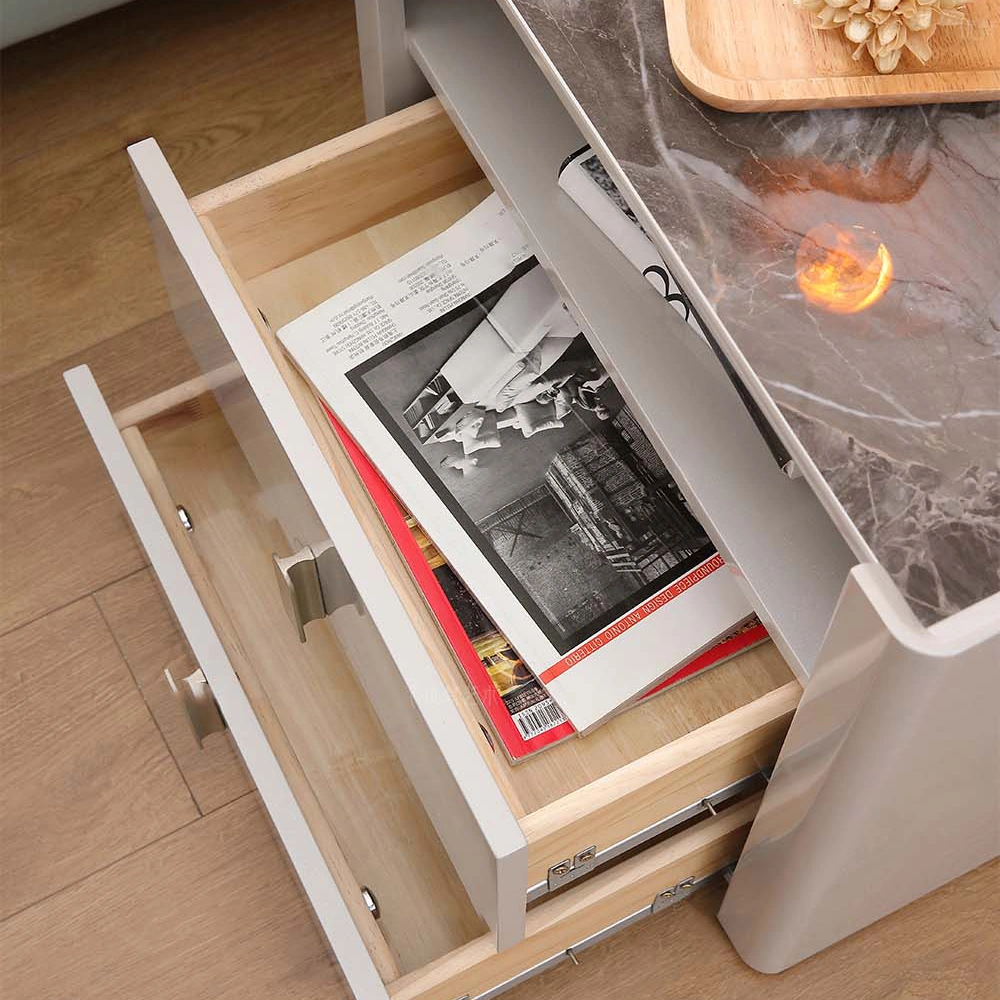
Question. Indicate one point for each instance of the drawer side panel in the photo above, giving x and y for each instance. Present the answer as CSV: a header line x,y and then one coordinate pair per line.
x,y
308,862
471,816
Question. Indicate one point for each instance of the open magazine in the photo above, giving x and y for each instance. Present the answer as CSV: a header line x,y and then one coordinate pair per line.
x,y
524,717
583,177
461,373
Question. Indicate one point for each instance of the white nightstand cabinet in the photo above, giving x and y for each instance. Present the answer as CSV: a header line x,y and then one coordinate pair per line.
x,y
437,870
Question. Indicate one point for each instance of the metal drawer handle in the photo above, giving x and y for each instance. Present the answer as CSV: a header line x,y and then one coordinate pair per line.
x,y
313,584
199,704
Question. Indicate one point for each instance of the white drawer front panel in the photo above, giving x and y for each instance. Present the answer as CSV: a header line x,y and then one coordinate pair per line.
x,y
313,873
471,816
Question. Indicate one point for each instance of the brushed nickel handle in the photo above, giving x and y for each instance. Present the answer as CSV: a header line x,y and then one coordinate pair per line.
x,y
313,583
301,592
200,707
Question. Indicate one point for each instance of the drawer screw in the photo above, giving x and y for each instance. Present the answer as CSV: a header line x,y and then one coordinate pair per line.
x,y
370,901
185,518
563,868
667,896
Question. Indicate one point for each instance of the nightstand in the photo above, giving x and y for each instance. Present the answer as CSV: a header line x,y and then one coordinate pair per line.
x,y
436,869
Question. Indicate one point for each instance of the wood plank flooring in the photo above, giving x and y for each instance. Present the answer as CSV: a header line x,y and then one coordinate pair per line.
x,y
86,778
225,87
210,912
64,533
132,863
150,642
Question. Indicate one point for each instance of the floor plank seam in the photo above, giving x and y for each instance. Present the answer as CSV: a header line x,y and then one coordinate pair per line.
x,y
252,790
125,857
149,711
76,600
99,870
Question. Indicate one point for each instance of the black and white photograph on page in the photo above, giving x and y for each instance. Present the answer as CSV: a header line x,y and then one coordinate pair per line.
x,y
506,410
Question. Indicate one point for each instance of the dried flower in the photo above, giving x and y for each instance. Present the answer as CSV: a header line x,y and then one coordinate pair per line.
x,y
885,27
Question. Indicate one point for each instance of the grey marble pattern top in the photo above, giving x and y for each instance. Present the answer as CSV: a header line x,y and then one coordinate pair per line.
x,y
899,404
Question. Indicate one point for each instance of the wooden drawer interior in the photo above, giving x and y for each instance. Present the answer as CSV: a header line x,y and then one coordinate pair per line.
x,y
428,943
288,237
300,230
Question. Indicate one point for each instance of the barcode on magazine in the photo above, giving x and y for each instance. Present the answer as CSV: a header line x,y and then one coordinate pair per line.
x,y
538,719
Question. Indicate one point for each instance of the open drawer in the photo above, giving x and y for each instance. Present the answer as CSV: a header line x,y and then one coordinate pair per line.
x,y
385,775
382,884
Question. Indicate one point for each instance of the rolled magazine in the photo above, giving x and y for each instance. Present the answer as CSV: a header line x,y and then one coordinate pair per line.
x,y
583,177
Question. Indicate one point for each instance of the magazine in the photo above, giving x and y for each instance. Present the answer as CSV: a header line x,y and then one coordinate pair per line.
x,y
459,370
583,177
524,717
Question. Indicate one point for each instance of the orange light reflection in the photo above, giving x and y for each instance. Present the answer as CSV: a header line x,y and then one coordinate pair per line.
x,y
843,270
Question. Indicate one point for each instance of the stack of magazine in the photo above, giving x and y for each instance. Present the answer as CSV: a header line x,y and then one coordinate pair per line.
x,y
557,553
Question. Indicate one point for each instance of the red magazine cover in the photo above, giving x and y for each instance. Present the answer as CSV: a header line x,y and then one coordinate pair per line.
x,y
524,716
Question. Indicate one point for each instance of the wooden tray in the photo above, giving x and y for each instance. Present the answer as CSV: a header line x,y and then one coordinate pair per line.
x,y
765,55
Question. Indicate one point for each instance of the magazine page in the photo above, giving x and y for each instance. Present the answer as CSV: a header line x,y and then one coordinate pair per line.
x,y
583,177
461,373
524,717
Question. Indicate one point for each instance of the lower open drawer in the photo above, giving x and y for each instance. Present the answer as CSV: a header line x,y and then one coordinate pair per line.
x,y
342,804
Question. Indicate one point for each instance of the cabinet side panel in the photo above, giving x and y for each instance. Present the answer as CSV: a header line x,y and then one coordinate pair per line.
x,y
389,77
885,789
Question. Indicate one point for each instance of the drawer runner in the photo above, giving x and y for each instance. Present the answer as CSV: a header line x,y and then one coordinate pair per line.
x,y
663,900
589,859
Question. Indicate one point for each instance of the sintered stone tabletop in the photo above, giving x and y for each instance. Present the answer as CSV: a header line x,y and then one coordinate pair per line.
x,y
854,258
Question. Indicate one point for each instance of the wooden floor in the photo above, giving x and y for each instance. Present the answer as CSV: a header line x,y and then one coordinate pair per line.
x,y
133,864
